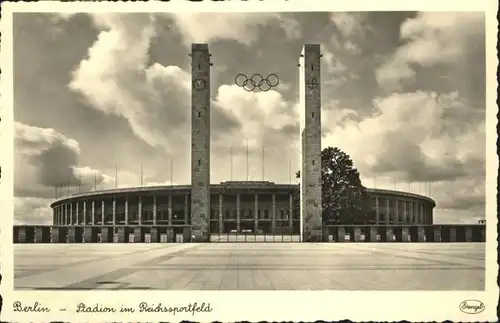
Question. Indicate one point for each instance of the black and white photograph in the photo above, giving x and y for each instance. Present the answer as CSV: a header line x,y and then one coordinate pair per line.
x,y
249,151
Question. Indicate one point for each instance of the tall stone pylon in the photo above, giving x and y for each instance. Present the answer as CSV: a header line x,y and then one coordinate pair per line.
x,y
200,142
310,128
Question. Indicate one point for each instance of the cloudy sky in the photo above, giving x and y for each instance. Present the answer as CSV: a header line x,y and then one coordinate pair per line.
x,y
100,94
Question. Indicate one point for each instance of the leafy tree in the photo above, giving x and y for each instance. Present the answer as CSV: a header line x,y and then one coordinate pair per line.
x,y
344,197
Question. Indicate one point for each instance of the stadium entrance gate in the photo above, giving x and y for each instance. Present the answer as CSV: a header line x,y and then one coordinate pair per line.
x,y
243,236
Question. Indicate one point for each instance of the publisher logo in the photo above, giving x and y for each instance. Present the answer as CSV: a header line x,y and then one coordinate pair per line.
x,y
471,306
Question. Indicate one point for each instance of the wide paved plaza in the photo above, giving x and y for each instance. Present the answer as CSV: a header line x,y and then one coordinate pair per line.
x,y
251,266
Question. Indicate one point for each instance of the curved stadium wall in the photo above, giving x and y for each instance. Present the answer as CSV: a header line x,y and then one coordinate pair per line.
x,y
261,207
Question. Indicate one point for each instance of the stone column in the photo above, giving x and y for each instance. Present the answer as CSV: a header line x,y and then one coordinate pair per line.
x,y
154,211
387,212
437,234
468,234
93,213
389,235
405,212
397,212
103,214
290,212
71,235
71,213
341,234
453,234
410,212
200,141
373,234
238,220
54,235
310,136
126,212
421,234
114,211
85,212
357,234
421,220
77,218
377,210
186,209
405,234
170,210
256,213
273,214
139,210
221,213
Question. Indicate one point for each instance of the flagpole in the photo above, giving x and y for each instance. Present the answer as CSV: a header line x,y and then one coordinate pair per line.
x,y
231,163
263,163
171,171
80,182
246,140
289,171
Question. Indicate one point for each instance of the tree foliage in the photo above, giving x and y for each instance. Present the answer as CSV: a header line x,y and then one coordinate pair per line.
x,y
344,197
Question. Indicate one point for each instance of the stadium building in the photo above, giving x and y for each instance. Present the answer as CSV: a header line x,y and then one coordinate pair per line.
x,y
231,211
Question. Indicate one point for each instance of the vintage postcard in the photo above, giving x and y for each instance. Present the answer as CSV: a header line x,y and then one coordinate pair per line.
x,y
248,161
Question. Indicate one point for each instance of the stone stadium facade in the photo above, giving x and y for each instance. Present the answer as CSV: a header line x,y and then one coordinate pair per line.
x,y
239,211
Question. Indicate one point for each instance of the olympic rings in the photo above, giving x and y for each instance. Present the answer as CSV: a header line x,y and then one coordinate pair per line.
x,y
257,81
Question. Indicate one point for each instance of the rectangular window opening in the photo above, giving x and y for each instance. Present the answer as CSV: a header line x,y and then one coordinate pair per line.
x,y
199,162
313,162
199,114
313,115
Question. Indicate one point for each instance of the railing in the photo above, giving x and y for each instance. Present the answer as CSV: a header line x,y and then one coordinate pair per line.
x,y
182,233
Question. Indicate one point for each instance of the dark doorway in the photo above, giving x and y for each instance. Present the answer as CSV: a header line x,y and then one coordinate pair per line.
x,y
78,234
476,234
63,234
45,234
445,233
398,232
16,235
30,234
461,234
382,233
95,234
414,234
429,233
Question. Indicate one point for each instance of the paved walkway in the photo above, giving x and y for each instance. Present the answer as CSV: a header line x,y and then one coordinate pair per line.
x,y
252,266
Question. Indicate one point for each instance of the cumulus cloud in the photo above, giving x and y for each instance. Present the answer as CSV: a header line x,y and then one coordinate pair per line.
x,y
432,38
116,79
155,100
242,27
32,210
420,137
434,145
352,28
46,161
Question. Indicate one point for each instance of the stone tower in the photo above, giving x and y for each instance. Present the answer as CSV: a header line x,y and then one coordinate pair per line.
x,y
310,103
200,142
